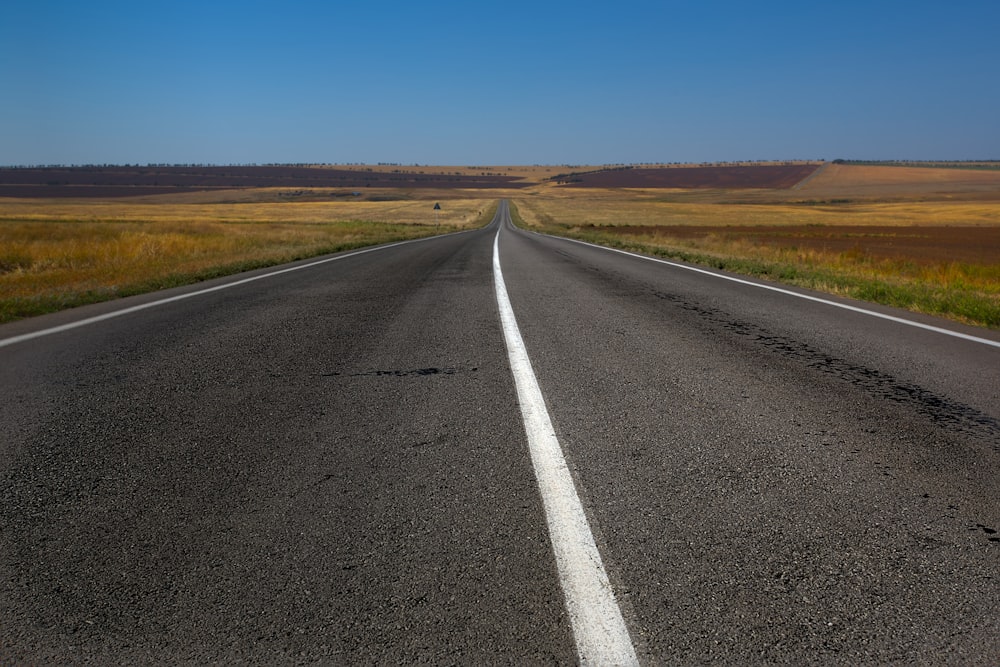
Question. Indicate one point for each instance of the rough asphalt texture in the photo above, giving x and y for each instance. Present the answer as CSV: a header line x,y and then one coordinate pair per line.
x,y
329,466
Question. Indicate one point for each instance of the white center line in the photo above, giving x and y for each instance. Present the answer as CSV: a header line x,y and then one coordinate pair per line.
x,y
598,627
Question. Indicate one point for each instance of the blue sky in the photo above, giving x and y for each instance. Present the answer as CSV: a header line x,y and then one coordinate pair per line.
x,y
497,83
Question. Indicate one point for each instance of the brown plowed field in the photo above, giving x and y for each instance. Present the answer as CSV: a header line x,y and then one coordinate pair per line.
x,y
924,245
741,177
854,181
132,181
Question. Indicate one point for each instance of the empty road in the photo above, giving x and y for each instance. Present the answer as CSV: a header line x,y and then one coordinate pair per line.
x,y
337,463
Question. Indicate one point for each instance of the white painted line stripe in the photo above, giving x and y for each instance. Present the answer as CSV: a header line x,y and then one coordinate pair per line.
x,y
598,627
153,304
891,318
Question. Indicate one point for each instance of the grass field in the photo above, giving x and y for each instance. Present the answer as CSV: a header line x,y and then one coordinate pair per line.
x,y
940,257
57,254
927,239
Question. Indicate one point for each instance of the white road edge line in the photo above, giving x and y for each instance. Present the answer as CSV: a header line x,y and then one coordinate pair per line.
x,y
153,304
598,627
891,318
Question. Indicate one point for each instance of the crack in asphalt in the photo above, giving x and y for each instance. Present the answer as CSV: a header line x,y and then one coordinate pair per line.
x,y
416,372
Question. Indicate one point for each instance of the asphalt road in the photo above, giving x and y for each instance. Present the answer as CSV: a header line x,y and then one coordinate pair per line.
x,y
330,465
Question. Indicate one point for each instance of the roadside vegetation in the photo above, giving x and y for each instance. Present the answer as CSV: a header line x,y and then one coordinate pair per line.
x,y
56,254
931,164
941,258
922,237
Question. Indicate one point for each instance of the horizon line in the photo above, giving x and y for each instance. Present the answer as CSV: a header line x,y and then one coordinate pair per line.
x,y
85,165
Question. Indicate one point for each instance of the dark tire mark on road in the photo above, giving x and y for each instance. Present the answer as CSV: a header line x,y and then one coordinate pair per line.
x,y
944,413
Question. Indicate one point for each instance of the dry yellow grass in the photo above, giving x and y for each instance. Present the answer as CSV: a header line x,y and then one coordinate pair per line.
x,y
459,212
857,178
59,253
823,247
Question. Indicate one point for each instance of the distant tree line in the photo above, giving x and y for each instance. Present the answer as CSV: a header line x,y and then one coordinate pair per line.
x,y
171,165
937,164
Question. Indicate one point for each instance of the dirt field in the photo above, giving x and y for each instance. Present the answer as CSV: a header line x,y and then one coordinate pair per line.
x,y
529,173
749,182
339,181
764,176
106,182
843,181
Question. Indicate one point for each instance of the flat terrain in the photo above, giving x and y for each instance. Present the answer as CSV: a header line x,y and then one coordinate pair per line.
x,y
85,245
917,238
133,181
925,244
59,253
856,181
328,465
822,179
720,177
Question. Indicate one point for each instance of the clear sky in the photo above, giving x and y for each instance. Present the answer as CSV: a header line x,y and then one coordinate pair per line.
x,y
516,82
